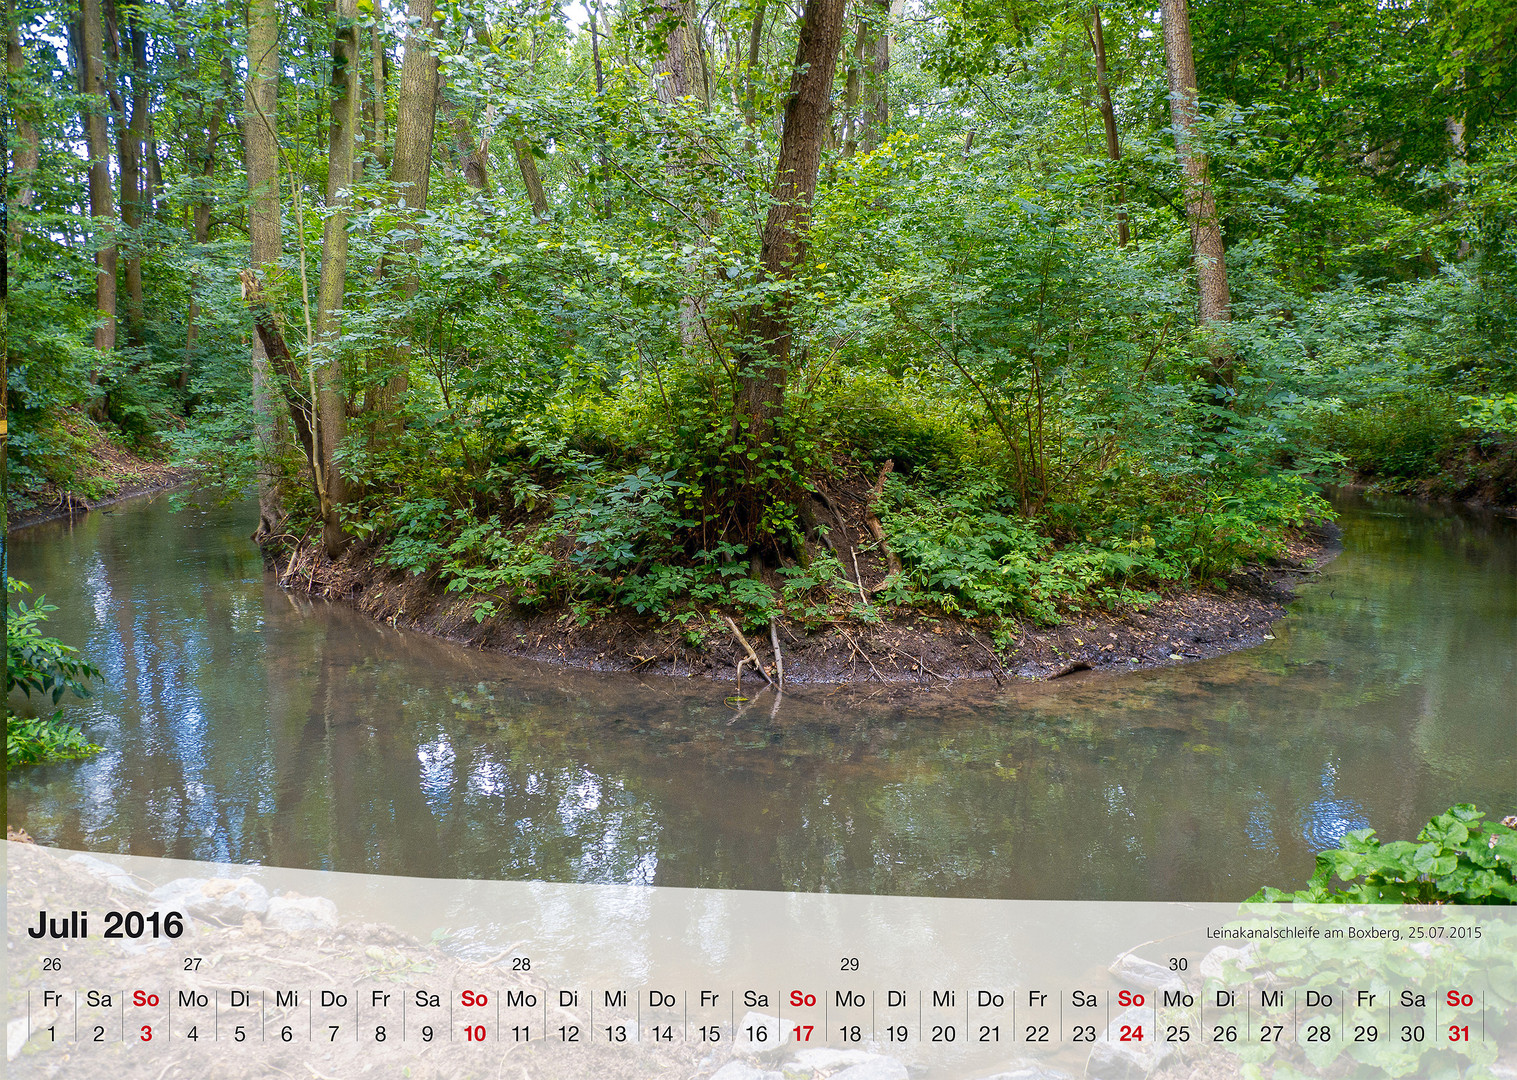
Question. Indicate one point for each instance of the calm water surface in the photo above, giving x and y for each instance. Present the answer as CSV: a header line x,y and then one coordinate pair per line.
x,y
245,725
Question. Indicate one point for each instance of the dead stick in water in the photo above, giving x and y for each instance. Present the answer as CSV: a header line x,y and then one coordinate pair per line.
x,y
779,659
751,654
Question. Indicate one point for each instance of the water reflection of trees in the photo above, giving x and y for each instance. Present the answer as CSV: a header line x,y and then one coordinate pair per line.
x,y
248,726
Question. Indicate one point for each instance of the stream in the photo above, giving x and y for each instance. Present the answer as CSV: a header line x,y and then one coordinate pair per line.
x,y
245,724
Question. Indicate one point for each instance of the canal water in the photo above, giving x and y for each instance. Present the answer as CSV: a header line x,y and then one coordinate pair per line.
x,y
244,724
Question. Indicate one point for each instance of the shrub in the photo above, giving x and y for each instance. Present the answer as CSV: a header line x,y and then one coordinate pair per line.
x,y
52,669
1457,859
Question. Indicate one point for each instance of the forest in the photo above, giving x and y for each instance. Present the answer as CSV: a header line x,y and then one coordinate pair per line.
x,y
818,312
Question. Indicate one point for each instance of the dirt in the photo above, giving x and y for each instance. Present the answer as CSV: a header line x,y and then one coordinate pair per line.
x,y
107,468
904,646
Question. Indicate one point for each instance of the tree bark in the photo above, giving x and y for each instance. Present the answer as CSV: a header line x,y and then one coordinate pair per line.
x,y
765,366
379,101
521,150
750,77
331,403
1200,204
97,137
130,144
202,213
853,87
26,150
261,154
877,98
1108,116
682,68
410,174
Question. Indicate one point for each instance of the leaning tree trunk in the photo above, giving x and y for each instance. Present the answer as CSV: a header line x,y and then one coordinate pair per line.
x,y
1108,117
97,137
764,366
331,403
261,155
1200,203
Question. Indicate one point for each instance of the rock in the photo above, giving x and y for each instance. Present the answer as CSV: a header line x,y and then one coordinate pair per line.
x,y
1117,1060
113,875
297,914
877,1068
1029,1070
219,899
741,1070
15,1037
1143,974
768,1026
1210,967
812,1060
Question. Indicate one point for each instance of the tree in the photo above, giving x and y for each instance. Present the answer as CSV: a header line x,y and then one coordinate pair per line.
x,y
92,87
410,175
206,155
25,145
128,35
261,154
1200,202
765,364
331,402
1108,114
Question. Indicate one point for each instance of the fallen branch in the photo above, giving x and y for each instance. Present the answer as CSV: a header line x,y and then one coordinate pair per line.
x,y
876,530
993,674
749,648
858,578
854,645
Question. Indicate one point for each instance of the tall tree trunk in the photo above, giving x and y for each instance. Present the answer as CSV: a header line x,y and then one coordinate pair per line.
x,y
131,135
681,75
877,98
410,174
331,403
750,71
153,200
473,156
681,70
261,154
853,87
26,150
202,214
1200,204
97,137
379,138
1108,116
765,366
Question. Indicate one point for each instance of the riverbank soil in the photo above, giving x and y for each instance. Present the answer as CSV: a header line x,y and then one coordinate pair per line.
x,y
904,646
99,471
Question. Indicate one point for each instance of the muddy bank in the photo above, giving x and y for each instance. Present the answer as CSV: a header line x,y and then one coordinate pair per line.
x,y
111,471
905,646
